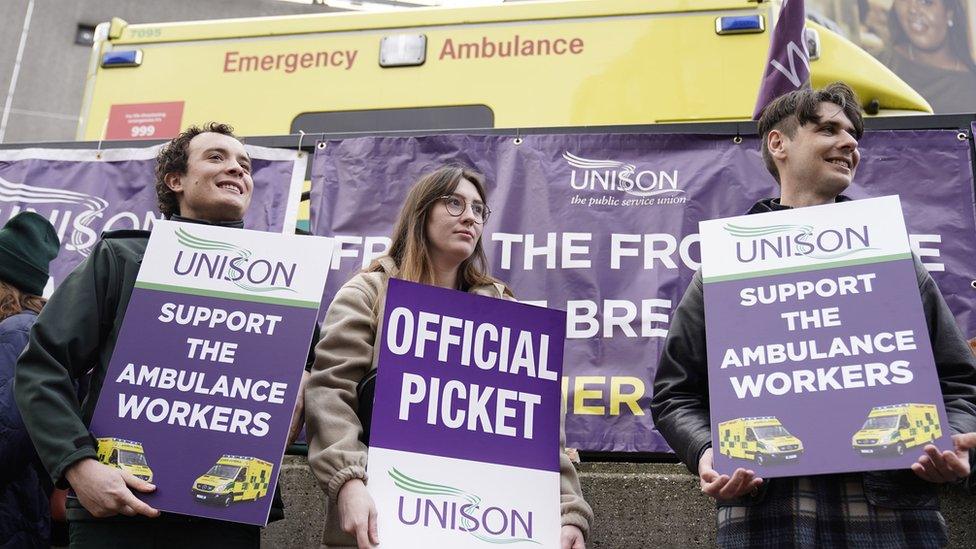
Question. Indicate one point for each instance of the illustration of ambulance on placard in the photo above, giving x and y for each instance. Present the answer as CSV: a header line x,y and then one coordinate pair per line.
x,y
893,429
126,455
762,439
232,479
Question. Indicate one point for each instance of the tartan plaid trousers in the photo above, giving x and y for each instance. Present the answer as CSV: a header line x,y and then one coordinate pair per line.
x,y
826,511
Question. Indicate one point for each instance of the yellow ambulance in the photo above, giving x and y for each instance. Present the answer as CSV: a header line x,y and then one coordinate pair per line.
x,y
232,479
513,65
762,439
895,428
126,455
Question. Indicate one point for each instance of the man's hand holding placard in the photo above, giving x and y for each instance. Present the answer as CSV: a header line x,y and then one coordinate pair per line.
x,y
722,487
105,491
946,466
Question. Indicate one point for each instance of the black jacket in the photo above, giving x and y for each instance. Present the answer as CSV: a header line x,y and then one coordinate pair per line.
x,y
680,402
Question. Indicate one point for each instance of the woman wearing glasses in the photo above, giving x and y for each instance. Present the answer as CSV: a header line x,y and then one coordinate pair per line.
x,y
437,241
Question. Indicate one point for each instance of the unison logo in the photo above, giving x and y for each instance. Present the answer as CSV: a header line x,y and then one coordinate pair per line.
x,y
440,506
82,236
611,175
783,241
219,260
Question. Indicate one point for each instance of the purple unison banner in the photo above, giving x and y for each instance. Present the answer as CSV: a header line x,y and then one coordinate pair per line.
x,y
464,442
202,407
819,359
86,192
605,227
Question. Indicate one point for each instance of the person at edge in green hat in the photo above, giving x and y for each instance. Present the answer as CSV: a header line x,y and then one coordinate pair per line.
x,y
28,243
203,176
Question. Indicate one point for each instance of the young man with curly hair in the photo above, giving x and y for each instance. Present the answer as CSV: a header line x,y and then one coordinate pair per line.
x,y
202,176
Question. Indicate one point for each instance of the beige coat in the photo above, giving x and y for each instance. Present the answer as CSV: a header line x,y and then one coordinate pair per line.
x,y
343,357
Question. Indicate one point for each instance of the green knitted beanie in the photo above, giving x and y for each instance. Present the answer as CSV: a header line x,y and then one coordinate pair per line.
x,y
28,243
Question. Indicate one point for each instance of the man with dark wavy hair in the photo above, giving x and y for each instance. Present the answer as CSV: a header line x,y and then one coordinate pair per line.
x,y
203,176
809,145
174,158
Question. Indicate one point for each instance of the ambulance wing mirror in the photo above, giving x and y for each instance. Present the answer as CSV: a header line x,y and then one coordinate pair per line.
x,y
812,39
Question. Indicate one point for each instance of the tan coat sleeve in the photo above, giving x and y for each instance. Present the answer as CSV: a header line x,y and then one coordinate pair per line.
x,y
573,509
343,357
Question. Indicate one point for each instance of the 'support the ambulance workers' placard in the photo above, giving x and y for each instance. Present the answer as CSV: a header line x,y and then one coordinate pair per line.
x,y
201,387
464,440
86,192
819,359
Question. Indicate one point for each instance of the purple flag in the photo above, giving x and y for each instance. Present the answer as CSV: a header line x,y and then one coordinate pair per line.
x,y
787,67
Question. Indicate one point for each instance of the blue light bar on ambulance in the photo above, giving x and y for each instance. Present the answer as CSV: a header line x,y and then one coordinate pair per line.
x,y
740,24
126,58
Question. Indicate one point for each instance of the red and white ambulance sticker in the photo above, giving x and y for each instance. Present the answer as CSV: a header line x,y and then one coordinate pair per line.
x,y
145,120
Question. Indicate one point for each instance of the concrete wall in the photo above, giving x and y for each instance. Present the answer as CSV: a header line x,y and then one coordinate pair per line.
x,y
636,505
51,80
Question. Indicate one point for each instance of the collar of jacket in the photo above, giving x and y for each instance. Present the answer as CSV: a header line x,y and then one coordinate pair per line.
x,y
18,321
389,267
239,224
773,205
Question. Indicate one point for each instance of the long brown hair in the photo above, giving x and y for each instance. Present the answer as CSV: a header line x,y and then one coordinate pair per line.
x,y
14,301
410,250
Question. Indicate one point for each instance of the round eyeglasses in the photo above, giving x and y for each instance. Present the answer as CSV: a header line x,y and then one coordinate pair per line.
x,y
456,205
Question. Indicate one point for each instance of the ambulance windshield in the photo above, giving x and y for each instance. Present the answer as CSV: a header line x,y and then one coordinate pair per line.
x,y
881,422
224,471
132,458
771,431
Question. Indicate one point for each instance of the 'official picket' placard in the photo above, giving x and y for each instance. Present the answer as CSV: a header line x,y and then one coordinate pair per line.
x,y
464,443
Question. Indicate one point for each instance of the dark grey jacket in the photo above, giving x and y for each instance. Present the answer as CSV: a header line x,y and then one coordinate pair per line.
x,y
680,402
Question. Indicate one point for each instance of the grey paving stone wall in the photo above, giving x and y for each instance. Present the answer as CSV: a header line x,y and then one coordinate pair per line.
x,y
637,506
